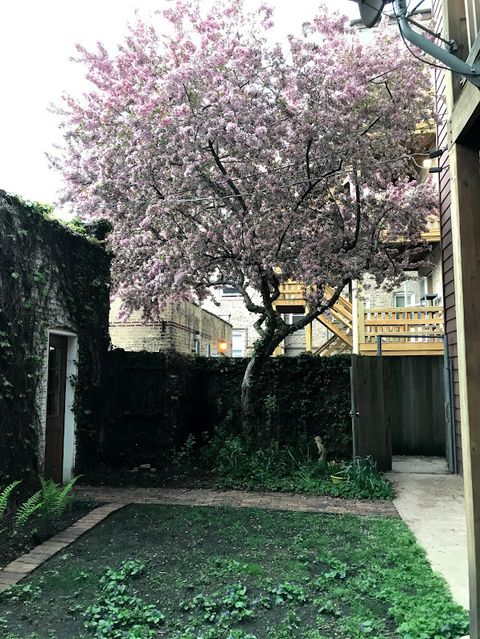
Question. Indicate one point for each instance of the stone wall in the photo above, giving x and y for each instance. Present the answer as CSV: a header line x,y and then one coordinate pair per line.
x,y
52,280
184,327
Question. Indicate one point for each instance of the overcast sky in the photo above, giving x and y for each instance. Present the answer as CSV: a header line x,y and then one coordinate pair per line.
x,y
36,42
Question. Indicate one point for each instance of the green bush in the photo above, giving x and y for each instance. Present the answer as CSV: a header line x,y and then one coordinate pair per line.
x,y
239,462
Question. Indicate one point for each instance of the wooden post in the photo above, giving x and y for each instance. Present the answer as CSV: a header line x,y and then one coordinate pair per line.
x,y
463,103
308,337
465,187
358,318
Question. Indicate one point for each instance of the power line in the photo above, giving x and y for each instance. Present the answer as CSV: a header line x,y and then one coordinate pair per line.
x,y
216,198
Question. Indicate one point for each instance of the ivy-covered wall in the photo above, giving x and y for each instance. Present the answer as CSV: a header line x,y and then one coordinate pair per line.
x,y
155,400
51,277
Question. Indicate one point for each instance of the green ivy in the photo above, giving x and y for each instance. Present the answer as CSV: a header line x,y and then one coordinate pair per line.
x,y
41,258
162,406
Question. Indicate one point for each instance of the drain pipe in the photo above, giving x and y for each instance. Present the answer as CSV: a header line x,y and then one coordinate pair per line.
x,y
471,72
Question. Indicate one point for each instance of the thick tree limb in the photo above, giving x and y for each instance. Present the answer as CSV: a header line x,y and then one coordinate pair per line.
x,y
358,217
230,182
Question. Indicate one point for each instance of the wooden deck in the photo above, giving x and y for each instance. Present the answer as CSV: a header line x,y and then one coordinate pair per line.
x,y
414,330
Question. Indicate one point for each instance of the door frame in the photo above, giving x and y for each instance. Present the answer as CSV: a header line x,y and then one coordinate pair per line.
x,y
69,417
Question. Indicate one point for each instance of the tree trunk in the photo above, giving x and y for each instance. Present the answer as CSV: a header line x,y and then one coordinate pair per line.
x,y
250,376
263,349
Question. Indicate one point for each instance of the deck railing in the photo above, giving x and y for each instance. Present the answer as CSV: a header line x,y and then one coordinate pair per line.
x,y
412,330
402,324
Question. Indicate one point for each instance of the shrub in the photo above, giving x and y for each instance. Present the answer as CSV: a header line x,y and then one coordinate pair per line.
x,y
239,462
50,501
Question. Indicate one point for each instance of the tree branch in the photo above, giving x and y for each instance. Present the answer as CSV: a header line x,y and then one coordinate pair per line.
x,y
348,246
305,194
230,182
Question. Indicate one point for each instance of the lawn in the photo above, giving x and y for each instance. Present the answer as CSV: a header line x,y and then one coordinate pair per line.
x,y
182,572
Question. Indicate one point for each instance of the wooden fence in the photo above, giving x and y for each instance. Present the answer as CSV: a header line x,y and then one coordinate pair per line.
x,y
398,407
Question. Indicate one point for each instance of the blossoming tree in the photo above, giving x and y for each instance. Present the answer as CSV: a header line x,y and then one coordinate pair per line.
x,y
223,159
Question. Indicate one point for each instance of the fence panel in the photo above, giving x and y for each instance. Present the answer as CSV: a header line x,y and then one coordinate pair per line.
x,y
398,407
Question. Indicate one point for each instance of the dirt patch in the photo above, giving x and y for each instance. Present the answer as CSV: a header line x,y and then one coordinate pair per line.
x,y
13,545
246,573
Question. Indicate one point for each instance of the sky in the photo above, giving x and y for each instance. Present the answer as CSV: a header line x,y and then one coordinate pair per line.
x,y
37,40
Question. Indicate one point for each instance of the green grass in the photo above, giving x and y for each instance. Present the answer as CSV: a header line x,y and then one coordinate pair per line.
x,y
181,572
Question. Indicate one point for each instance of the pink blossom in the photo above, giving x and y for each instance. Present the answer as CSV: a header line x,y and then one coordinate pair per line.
x,y
220,158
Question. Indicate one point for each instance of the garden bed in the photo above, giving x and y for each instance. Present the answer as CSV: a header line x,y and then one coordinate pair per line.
x,y
12,545
269,470
184,572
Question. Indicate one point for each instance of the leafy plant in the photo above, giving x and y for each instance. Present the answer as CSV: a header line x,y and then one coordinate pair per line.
x,y
365,479
185,456
51,500
56,498
28,508
21,592
240,462
117,614
233,605
5,495
288,592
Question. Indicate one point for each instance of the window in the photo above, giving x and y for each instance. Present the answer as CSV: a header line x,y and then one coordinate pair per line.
x,y
295,318
229,291
239,339
401,299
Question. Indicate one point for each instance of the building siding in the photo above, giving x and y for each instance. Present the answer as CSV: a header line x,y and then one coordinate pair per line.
x,y
446,232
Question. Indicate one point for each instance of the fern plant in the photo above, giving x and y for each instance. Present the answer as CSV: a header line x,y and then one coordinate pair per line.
x,y
55,498
5,495
28,508
50,501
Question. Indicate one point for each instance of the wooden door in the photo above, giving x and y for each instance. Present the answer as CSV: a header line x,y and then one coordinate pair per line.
x,y
371,429
57,369
415,404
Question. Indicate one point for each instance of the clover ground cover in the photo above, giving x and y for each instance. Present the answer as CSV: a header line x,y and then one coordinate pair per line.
x,y
181,572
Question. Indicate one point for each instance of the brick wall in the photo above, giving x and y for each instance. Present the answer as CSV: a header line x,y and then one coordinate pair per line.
x,y
184,327
52,280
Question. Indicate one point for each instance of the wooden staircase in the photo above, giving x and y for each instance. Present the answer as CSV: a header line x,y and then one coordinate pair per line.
x,y
401,331
338,319
333,346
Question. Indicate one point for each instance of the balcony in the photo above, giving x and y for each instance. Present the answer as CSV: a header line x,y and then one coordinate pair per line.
x,y
415,330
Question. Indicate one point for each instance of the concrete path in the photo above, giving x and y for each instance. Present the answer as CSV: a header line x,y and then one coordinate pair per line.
x,y
432,505
236,499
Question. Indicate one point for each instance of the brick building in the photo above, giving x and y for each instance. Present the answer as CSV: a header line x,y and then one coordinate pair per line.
x,y
184,327
54,296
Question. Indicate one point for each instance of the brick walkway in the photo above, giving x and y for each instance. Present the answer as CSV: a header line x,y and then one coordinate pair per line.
x,y
21,567
237,499
116,498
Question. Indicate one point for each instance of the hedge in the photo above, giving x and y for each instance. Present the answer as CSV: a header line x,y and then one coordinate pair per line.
x,y
154,401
